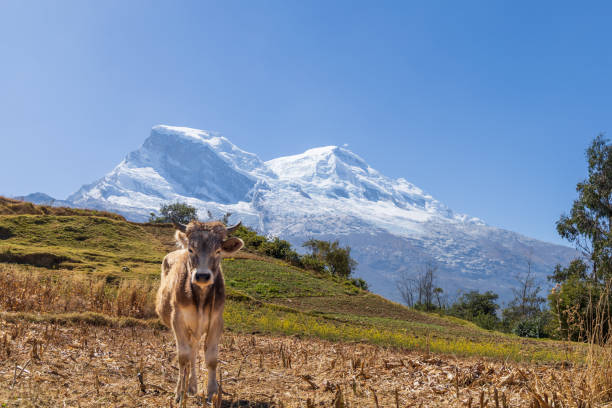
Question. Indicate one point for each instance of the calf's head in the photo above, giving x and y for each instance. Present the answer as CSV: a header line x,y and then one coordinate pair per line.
x,y
206,242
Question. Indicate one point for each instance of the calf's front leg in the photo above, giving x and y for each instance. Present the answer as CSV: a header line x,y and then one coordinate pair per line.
x,y
193,378
185,350
211,355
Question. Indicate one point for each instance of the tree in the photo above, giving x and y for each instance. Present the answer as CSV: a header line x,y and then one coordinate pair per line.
x,y
590,219
527,302
337,259
177,212
406,285
585,282
420,290
477,307
526,315
438,292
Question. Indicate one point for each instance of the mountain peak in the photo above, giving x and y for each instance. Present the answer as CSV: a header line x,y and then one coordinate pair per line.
x,y
213,139
320,163
182,131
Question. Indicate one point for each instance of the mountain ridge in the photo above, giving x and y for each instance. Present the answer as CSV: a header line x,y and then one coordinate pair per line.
x,y
325,192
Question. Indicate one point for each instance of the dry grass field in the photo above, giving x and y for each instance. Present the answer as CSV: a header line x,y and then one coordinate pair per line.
x,y
54,365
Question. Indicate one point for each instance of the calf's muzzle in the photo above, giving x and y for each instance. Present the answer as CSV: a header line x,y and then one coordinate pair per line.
x,y
202,277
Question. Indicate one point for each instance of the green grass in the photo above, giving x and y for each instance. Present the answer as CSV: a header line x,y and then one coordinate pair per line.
x,y
268,280
92,244
245,317
265,295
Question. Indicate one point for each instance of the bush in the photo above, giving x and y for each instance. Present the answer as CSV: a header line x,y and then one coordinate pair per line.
x,y
252,240
486,321
278,248
313,263
477,307
360,283
532,327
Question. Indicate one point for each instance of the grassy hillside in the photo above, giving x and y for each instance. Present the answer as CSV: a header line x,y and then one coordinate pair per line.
x,y
105,270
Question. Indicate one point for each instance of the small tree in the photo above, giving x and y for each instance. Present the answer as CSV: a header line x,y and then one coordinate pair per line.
x,y
407,287
420,290
527,303
337,259
177,212
438,292
477,307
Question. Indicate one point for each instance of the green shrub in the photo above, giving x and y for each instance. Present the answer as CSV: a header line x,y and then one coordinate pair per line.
x,y
486,321
360,283
252,240
477,307
532,327
313,263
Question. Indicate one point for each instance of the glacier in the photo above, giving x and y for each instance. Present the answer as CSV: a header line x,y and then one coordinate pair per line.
x,y
326,192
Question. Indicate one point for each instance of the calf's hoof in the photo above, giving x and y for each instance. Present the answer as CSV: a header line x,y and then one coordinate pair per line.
x,y
212,391
192,390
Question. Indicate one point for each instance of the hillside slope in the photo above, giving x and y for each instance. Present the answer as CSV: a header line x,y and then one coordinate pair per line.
x,y
111,266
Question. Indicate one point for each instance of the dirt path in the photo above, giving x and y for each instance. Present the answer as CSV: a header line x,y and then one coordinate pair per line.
x,y
55,366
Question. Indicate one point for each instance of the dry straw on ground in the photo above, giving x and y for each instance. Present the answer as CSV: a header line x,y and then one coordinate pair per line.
x,y
47,365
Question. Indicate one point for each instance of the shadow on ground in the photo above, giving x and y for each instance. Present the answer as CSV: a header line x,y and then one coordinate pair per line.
x,y
246,404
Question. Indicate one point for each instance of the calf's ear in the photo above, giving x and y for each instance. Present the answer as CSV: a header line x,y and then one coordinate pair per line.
x,y
181,239
231,245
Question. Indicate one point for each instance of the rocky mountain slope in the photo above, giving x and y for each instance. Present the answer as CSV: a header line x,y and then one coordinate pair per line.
x,y
326,192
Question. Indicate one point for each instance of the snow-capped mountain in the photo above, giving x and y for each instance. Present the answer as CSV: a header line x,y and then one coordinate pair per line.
x,y
326,192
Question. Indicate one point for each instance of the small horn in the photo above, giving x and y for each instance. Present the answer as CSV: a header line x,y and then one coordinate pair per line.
x,y
233,228
179,226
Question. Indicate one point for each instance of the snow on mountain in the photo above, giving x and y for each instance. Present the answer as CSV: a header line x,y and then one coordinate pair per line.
x,y
326,192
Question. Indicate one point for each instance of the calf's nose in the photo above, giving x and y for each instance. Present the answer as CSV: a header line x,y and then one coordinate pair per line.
x,y
202,276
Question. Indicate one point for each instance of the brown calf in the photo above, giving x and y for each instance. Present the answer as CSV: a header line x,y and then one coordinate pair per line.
x,y
191,296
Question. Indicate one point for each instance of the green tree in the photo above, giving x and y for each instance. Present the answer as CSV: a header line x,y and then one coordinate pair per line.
x,y
582,284
589,222
177,212
337,259
477,307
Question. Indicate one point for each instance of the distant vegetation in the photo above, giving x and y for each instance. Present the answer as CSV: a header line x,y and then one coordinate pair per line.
x,y
525,315
580,305
581,300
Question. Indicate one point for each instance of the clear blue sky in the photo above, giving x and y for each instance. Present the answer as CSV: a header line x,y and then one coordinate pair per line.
x,y
486,105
